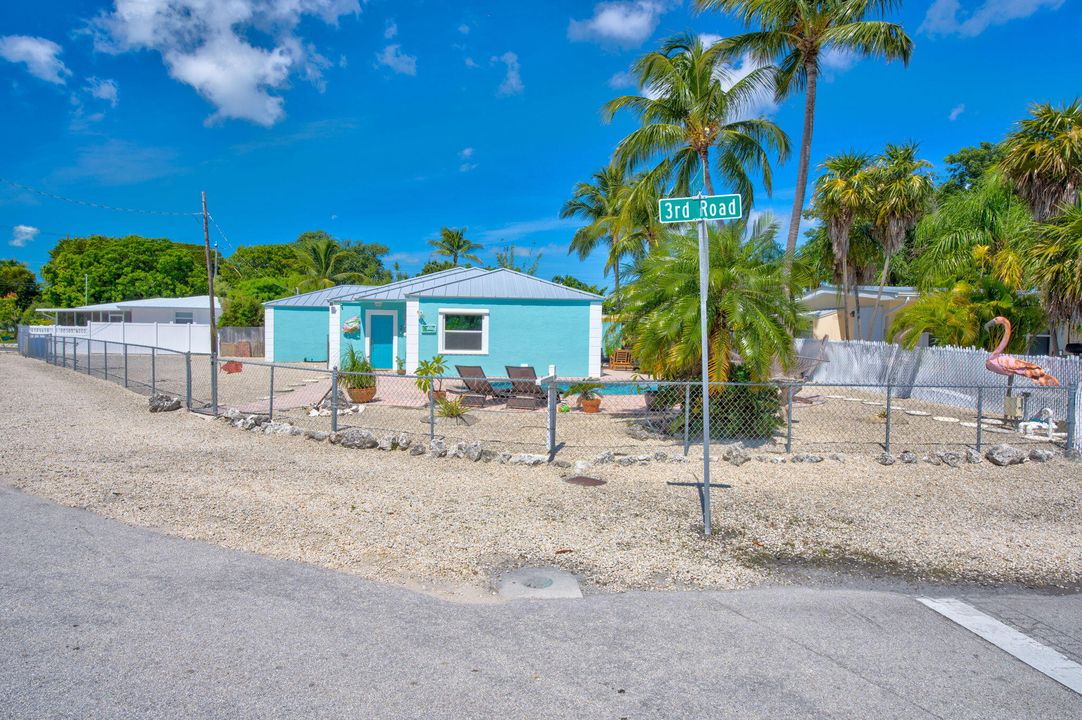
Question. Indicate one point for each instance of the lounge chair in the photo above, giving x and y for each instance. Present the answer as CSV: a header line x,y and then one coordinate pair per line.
x,y
525,393
621,360
477,388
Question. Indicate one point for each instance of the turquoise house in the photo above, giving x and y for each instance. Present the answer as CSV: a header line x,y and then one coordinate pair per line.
x,y
472,316
295,328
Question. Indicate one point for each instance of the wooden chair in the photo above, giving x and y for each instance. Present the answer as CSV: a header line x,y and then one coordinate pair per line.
x,y
478,389
621,360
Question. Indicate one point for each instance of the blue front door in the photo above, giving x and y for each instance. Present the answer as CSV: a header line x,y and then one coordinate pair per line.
x,y
382,341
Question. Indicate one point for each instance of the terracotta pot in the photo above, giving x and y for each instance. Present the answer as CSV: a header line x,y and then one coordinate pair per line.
x,y
439,395
590,406
362,395
401,371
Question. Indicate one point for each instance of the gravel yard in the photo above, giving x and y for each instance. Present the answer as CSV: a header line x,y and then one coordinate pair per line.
x,y
450,525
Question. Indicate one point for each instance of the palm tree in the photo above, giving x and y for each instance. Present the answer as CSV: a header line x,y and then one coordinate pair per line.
x,y
901,191
1043,158
1057,268
982,230
747,315
323,264
794,34
454,244
686,113
506,257
842,194
601,203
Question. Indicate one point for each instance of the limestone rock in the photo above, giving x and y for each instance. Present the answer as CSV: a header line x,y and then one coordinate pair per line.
x,y
908,457
885,459
950,458
164,403
357,438
972,456
1041,455
1004,454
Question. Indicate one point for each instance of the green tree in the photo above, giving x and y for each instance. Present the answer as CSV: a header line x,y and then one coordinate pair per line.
x,y
275,260
574,282
842,196
366,260
901,190
601,203
435,266
9,315
794,35
1056,264
453,243
507,257
688,117
747,315
967,166
957,316
126,268
324,264
1043,158
17,279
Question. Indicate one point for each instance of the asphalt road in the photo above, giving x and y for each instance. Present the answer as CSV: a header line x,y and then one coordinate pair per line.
x,y
101,620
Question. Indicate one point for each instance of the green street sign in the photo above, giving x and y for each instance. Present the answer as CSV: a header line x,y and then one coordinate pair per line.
x,y
689,209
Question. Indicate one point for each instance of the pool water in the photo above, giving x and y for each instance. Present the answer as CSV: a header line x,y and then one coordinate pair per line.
x,y
630,388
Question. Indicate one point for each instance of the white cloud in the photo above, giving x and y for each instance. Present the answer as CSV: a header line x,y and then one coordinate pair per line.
x,y
391,30
624,23
464,29
208,46
471,63
106,90
465,154
40,56
946,17
22,234
514,231
393,57
837,60
622,79
512,81
956,111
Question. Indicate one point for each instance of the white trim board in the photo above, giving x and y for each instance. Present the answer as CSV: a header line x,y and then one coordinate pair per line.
x,y
368,313
268,334
334,336
1040,657
594,364
413,335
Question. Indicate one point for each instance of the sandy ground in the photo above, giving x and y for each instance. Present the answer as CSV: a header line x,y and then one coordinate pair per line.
x,y
451,525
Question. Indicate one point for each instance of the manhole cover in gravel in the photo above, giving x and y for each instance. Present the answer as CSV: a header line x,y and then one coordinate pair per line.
x,y
533,583
944,418
585,481
917,413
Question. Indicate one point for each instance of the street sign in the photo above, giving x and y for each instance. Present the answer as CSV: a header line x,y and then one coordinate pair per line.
x,y
690,209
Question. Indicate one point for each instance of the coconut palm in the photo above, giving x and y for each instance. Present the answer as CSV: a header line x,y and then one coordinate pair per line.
x,y
601,203
795,35
1056,263
454,244
842,194
688,116
982,230
1043,158
748,317
901,190
323,264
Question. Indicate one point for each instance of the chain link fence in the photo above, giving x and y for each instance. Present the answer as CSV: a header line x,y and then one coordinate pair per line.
x,y
568,419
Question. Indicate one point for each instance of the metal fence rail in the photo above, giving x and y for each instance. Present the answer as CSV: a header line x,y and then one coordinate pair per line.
x,y
553,416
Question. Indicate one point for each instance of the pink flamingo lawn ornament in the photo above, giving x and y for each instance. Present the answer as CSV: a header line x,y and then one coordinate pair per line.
x,y
1002,364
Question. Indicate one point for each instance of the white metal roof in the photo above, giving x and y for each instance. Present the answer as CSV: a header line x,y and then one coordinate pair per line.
x,y
198,302
399,290
503,284
319,298
890,292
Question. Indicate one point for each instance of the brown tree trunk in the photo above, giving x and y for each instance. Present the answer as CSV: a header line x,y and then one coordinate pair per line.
x,y
879,295
707,181
845,297
802,167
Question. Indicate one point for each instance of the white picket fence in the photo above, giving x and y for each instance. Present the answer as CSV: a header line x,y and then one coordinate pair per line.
x,y
194,338
956,373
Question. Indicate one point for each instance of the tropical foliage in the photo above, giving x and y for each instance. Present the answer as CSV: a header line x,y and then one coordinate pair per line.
x,y
523,260
1055,261
453,243
1043,158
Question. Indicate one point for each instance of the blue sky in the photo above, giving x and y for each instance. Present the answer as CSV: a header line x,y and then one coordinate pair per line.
x,y
382,121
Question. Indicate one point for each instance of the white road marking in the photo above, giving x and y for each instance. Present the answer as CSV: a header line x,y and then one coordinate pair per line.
x,y
1039,657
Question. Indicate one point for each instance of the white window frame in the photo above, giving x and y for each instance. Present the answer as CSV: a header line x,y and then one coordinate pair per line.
x,y
113,317
368,335
443,312
189,313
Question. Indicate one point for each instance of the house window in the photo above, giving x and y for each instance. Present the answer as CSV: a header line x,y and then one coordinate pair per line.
x,y
183,317
116,317
463,332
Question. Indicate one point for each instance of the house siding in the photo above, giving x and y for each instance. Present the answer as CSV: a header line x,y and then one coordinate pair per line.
x,y
300,334
520,332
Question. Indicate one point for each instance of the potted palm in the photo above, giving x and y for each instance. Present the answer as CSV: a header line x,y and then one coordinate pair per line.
x,y
430,377
401,362
359,381
589,397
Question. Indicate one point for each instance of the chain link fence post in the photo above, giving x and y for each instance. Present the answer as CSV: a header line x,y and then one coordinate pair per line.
x,y
89,355
1072,415
788,418
980,415
890,396
334,399
687,418
64,350
187,379
552,418
270,398
105,355
431,417
153,371
214,383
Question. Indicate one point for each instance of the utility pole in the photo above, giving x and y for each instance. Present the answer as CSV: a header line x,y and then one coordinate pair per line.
x,y
210,282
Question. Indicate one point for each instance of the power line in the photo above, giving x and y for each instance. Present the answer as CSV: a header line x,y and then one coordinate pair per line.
x,y
99,206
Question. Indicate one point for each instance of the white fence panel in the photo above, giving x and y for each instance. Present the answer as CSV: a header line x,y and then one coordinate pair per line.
x,y
167,336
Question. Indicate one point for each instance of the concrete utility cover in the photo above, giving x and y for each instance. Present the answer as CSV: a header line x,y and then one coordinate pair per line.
x,y
538,584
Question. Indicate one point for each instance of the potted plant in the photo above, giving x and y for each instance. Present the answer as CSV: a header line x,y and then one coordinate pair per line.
x,y
359,381
589,397
401,365
430,377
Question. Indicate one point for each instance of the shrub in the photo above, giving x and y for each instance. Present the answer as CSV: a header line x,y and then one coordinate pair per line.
x,y
359,370
736,411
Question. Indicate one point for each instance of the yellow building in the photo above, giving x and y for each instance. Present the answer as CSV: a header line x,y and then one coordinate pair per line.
x,y
826,308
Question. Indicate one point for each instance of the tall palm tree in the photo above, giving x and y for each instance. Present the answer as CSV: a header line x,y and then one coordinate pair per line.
x,y
688,116
794,35
1043,158
901,191
842,194
1057,268
323,264
747,316
454,244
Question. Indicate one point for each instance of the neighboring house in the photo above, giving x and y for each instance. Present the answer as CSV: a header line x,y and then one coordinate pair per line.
x,y
295,328
180,311
491,318
826,308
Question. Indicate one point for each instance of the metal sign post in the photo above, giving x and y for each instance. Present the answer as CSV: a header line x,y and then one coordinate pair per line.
x,y
702,208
